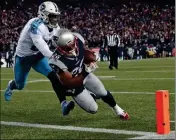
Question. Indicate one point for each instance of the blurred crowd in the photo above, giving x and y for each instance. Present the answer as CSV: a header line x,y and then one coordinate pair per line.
x,y
137,24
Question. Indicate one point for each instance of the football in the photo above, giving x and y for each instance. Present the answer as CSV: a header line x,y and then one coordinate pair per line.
x,y
89,56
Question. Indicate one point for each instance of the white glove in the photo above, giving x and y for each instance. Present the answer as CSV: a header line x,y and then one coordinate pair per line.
x,y
90,67
97,55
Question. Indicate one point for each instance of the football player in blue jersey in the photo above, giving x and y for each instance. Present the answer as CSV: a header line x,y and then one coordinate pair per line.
x,y
76,78
33,52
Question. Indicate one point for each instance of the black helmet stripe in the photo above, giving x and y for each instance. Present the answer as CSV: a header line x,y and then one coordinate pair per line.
x,y
55,7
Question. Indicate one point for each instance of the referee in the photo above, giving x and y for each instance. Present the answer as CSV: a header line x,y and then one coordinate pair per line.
x,y
112,41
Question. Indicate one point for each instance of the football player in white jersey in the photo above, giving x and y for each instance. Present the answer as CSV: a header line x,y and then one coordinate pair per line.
x,y
33,52
76,78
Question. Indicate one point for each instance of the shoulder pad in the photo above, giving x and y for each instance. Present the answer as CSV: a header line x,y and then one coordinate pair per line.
x,y
35,25
58,63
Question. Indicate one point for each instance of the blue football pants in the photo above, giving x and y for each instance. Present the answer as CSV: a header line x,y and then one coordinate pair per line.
x,y
21,70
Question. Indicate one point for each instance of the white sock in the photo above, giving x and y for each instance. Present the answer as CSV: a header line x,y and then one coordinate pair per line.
x,y
118,110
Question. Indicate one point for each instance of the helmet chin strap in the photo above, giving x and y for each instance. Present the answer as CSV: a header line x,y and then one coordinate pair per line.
x,y
52,26
48,23
73,52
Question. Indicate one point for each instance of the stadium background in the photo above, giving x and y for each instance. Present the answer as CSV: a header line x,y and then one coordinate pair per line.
x,y
146,28
133,84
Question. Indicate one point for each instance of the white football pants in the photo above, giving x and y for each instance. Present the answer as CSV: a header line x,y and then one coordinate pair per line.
x,y
84,99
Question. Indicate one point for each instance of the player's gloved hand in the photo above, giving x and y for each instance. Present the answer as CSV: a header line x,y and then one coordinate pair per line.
x,y
88,68
91,67
97,56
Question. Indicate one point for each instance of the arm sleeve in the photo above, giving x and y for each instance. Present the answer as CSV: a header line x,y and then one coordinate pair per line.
x,y
40,43
57,65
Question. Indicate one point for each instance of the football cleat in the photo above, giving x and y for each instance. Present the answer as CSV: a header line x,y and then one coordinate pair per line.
x,y
116,67
124,116
110,67
67,107
8,92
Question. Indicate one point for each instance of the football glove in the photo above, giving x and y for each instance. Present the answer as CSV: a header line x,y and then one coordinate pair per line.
x,y
90,67
97,56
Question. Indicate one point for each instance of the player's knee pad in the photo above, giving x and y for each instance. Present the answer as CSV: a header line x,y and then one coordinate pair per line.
x,y
93,108
86,102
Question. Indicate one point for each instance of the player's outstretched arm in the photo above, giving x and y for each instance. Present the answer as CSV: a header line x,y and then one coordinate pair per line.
x,y
69,81
41,45
65,77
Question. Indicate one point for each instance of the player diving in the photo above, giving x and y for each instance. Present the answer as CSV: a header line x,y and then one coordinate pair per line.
x,y
77,78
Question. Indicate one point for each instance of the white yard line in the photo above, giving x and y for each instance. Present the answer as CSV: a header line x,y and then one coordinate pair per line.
x,y
48,91
133,92
114,92
149,59
84,129
7,73
136,67
136,79
40,80
141,71
73,128
35,73
109,78
158,137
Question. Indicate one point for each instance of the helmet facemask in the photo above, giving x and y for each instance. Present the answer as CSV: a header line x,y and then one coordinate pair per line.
x,y
70,50
67,48
53,20
49,13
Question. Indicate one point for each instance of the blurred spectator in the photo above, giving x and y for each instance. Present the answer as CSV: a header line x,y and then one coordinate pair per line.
x,y
9,59
137,24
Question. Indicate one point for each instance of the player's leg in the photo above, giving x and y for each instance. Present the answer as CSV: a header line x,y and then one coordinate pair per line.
x,y
93,84
21,71
43,67
115,57
86,101
110,51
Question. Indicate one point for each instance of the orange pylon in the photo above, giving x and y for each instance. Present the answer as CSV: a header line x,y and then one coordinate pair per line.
x,y
162,112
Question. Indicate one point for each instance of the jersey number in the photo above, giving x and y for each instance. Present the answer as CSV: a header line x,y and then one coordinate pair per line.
x,y
78,69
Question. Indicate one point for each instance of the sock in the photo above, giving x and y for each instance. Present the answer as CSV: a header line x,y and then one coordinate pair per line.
x,y
13,85
56,86
109,99
63,102
118,110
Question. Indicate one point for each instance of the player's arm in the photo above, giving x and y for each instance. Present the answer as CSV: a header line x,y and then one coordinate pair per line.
x,y
40,43
69,81
65,77
90,57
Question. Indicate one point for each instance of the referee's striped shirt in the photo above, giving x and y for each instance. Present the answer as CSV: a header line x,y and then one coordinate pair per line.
x,y
112,40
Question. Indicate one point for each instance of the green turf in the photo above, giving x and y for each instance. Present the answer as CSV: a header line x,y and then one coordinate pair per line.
x,y
9,132
44,108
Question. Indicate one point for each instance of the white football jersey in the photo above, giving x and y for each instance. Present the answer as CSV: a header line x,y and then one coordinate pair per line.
x,y
36,30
